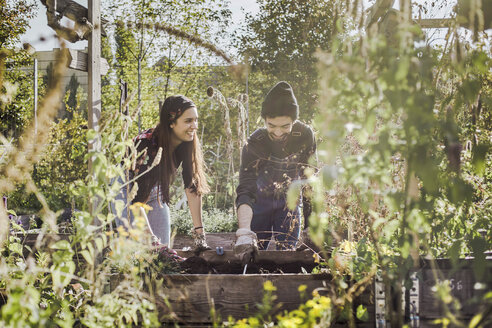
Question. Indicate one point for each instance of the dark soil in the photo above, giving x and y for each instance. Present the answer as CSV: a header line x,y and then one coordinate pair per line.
x,y
198,265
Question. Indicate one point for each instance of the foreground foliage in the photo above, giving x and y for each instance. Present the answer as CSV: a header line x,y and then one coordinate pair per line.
x,y
405,132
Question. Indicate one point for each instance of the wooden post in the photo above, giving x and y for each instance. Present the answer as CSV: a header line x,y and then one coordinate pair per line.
x,y
94,77
247,104
35,96
139,75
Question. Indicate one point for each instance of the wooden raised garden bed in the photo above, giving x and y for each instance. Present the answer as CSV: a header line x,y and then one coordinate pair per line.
x,y
217,281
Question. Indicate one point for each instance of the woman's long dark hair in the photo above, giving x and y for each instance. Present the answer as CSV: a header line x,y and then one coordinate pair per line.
x,y
172,108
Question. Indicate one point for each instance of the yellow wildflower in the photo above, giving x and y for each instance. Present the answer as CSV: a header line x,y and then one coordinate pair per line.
x,y
269,287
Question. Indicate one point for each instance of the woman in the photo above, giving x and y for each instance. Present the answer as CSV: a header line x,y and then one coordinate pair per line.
x,y
176,136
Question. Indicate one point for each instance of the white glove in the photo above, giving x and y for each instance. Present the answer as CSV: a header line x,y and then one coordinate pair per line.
x,y
246,246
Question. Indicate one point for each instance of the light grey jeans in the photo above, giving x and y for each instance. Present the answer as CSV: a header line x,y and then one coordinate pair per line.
x,y
158,217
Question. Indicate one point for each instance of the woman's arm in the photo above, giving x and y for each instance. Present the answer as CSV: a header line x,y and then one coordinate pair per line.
x,y
195,205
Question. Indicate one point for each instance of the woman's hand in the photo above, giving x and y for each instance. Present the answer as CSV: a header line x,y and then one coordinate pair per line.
x,y
164,253
199,240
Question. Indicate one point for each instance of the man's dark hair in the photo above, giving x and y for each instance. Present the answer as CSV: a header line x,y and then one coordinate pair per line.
x,y
280,101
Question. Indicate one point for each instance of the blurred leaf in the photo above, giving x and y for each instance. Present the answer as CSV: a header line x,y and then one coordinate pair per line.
x,y
481,62
16,248
362,313
475,320
459,191
470,89
479,154
402,71
99,244
87,256
479,246
91,134
329,174
62,245
390,228
293,194
454,252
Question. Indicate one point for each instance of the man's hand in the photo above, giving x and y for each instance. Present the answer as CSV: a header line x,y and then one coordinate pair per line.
x,y
246,247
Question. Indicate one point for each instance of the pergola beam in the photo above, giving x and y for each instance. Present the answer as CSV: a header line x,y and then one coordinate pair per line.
x,y
436,22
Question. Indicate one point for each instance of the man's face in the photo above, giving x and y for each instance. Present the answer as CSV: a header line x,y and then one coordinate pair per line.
x,y
279,127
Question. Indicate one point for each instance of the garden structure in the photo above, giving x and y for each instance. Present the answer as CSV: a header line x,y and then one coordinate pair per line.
x,y
399,172
214,286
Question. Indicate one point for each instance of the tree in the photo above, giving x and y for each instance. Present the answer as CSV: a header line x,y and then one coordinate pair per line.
x,y
406,132
139,44
281,41
72,89
15,95
14,20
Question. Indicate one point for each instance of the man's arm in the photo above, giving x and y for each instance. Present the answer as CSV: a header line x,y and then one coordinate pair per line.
x,y
244,216
245,247
251,155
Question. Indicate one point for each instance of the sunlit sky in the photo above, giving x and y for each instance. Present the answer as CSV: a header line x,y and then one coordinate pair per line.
x,y
39,28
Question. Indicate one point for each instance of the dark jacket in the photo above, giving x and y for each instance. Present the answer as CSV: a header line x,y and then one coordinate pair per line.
x,y
268,167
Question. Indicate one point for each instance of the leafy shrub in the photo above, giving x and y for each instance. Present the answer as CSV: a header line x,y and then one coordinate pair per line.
x,y
214,220
62,163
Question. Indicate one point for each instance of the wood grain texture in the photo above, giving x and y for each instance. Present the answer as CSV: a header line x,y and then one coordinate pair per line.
x,y
435,22
224,239
78,60
192,296
461,283
72,10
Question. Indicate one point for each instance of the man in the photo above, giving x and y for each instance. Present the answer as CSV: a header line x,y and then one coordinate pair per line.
x,y
273,158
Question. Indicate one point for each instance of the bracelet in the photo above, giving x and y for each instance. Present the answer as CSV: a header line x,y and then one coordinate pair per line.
x,y
196,228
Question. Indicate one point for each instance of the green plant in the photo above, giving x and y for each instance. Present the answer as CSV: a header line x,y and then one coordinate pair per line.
x,y
214,220
396,123
318,311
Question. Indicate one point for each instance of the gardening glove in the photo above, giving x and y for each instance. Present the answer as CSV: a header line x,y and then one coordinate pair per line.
x,y
164,253
167,254
199,242
246,246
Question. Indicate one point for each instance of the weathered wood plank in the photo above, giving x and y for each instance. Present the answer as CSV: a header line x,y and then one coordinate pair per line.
x,y
461,281
72,10
30,239
78,60
435,22
265,262
223,239
192,296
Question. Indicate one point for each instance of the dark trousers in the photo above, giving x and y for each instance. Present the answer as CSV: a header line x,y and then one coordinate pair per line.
x,y
271,216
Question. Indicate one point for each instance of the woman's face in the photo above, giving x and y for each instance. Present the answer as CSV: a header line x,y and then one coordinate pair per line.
x,y
184,128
